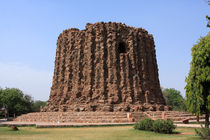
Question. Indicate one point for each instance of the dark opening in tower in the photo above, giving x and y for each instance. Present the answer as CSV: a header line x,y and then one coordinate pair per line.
x,y
121,48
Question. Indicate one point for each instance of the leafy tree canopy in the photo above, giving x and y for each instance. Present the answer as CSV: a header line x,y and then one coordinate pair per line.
x,y
198,80
15,101
38,104
174,99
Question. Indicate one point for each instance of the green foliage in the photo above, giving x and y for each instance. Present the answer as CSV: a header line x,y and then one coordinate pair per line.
x,y
160,126
174,99
198,80
1,103
163,126
37,105
145,124
208,21
204,133
15,101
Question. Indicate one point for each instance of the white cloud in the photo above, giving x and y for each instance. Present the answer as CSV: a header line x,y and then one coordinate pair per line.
x,y
31,81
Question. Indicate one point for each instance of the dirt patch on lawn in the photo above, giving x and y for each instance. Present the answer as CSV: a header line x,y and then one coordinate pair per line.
x,y
186,133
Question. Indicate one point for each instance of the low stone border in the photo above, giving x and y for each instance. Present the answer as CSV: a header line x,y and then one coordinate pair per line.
x,y
49,125
189,125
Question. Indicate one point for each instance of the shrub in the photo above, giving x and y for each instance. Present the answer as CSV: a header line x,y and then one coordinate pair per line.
x,y
203,132
163,126
160,126
145,124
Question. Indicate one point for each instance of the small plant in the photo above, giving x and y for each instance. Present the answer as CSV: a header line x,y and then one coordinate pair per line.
x,y
163,126
203,132
160,126
145,124
14,128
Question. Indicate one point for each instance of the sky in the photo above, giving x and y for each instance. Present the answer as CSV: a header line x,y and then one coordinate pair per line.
x,y
29,30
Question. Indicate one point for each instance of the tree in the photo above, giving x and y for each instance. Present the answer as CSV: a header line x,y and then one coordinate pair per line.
x,y
15,102
1,104
29,102
208,21
174,99
38,104
198,80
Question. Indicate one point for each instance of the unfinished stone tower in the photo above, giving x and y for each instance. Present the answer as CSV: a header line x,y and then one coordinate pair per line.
x,y
106,67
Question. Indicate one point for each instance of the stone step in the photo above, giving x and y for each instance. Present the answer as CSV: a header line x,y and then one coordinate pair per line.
x,y
80,120
75,117
101,117
174,115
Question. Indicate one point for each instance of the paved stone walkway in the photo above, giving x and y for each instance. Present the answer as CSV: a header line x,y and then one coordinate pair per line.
x,y
189,125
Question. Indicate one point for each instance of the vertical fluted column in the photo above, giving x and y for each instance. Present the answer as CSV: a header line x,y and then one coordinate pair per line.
x,y
62,63
96,64
104,57
56,70
89,68
137,63
116,67
80,59
144,67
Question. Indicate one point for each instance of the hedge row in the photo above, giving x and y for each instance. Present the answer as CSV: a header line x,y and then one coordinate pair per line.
x,y
160,126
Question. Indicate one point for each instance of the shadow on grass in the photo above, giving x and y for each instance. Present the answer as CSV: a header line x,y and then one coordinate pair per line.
x,y
29,131
176,132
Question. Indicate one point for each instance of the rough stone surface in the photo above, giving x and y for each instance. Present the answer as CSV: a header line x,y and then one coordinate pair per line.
x,y
102,117
105,67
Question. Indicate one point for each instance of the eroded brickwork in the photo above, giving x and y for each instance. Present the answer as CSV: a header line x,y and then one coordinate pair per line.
x,y
106,67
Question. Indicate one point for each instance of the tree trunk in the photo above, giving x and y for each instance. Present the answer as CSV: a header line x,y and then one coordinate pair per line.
x,y
207,119
197,118
206,103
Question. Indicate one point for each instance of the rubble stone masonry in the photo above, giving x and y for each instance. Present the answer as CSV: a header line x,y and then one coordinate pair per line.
x,y
105,67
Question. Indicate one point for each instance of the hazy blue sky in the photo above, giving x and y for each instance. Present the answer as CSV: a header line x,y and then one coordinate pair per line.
x,y
29,31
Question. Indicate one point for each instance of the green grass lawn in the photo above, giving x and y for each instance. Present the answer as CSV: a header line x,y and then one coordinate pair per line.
x,y
92,133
